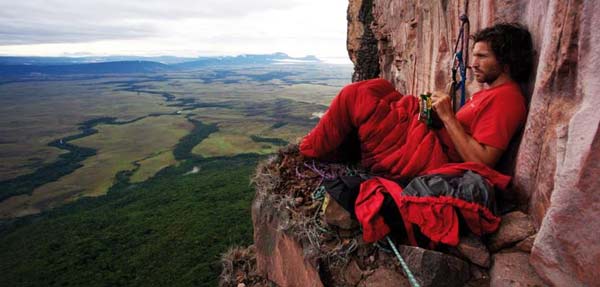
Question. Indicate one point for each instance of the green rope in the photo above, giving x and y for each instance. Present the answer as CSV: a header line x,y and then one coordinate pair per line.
x,y
411,277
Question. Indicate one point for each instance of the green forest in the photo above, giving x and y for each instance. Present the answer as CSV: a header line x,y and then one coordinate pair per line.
x,y
166,231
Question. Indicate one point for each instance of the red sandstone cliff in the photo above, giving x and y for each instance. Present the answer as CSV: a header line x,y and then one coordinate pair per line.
x,y
557,164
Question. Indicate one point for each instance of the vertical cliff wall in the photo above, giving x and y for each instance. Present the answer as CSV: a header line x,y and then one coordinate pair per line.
x,y
557,165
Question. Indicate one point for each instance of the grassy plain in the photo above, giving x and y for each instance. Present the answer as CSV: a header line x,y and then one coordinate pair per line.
x,y
152,164
248,101
234,137
32,114
118,147
236,131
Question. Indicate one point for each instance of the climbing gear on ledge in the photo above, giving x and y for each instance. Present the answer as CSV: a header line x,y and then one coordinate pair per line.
x,y
460,61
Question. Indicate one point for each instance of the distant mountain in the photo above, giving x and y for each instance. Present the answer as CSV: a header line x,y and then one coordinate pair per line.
x,y
27,66
51,61
41,60
121,67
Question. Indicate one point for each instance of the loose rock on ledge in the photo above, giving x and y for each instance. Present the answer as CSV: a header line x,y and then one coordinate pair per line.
x,y
515,226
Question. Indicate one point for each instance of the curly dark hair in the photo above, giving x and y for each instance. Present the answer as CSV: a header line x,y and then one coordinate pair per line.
x,y
512,46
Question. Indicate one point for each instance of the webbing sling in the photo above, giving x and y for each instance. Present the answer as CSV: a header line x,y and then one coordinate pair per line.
x,y
460,60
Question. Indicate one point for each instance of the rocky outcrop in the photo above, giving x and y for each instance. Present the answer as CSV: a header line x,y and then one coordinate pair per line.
x,y
557,164
303,239
307,243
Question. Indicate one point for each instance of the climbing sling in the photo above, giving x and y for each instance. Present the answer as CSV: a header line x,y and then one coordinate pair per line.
x,y
460,61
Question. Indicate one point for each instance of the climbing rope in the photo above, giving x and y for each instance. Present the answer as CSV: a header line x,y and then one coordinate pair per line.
x,y
411,278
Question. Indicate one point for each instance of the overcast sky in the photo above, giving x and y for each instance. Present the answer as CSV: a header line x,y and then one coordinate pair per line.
x,y
175,27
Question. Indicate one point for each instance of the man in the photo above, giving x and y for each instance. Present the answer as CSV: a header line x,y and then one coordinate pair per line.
x,y
435,174
501,57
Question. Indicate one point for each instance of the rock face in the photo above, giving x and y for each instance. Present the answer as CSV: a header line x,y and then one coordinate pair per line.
x,y
557,165
513,269
282,258
280,254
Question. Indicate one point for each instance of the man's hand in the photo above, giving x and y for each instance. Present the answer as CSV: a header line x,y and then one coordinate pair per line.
x,y
468,148
442,105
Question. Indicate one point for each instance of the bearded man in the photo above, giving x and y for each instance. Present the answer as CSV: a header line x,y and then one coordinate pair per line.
x,y
434,176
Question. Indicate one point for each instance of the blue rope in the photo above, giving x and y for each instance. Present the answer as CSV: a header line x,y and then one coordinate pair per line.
x,y
463,77
459,62
411,278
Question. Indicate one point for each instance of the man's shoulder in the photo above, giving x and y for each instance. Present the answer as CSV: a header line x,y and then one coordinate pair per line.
x,y
509,92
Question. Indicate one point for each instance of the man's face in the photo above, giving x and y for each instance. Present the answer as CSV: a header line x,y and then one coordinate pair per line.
x,y
485,66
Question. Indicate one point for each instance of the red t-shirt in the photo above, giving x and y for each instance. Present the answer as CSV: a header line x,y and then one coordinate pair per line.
x,y
491,117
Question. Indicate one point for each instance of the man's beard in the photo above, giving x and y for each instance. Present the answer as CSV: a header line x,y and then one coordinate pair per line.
x,y
488,77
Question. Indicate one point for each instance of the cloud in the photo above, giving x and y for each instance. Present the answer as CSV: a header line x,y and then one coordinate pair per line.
x,y
15,33
151,26
58,21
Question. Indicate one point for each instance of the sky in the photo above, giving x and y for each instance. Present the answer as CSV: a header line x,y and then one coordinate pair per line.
x,y
188,28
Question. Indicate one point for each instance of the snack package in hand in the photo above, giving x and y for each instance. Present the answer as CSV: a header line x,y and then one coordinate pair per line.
x,y
426,112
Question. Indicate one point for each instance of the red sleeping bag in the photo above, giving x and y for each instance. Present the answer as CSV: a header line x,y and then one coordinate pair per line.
x,y
396,145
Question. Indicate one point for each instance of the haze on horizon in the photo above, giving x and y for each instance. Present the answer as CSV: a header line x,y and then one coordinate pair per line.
x,y
184,28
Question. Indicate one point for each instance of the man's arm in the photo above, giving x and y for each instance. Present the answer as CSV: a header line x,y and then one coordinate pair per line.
x,y
468,148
